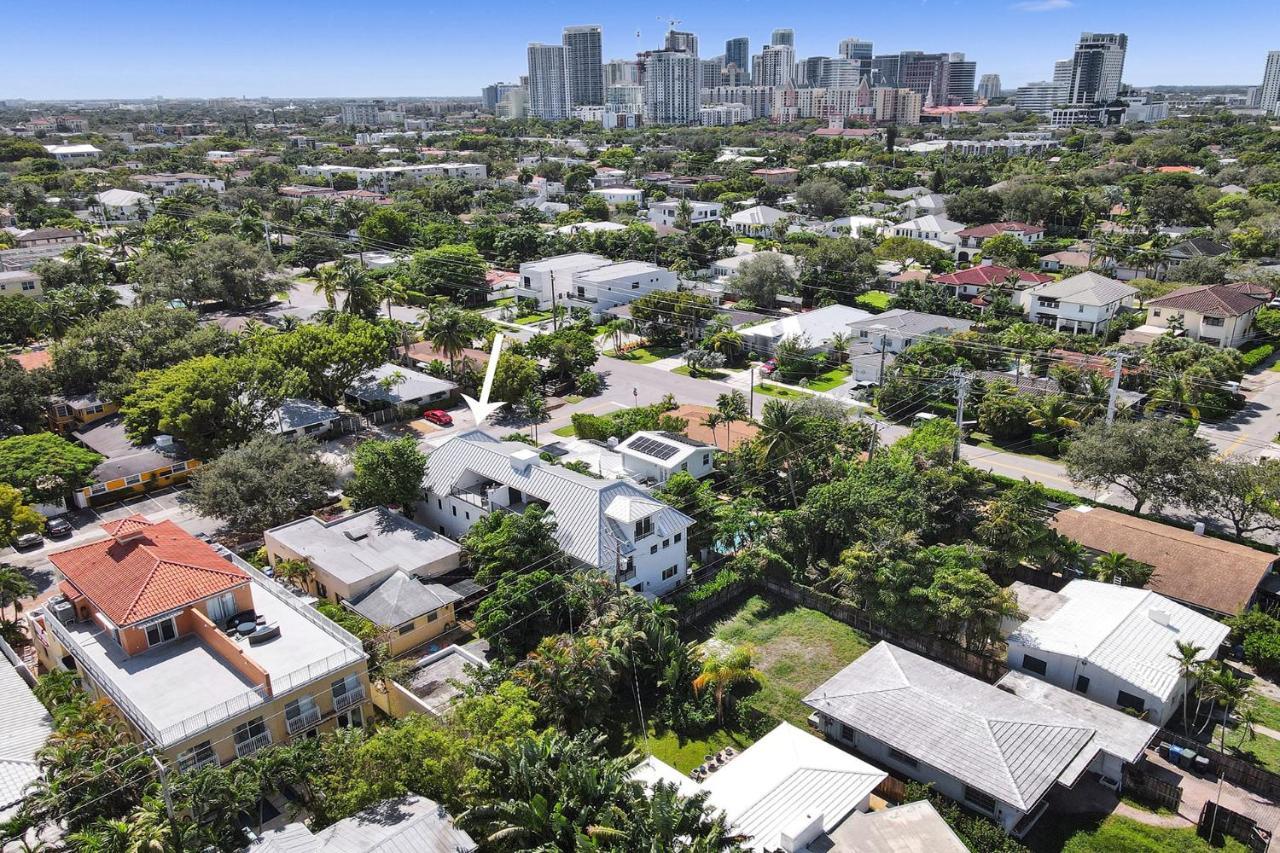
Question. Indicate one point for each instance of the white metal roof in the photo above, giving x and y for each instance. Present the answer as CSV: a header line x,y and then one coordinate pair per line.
x,y
1010,748
819,325
26,725
1112,627
759,215
122,198
585,528
1086,288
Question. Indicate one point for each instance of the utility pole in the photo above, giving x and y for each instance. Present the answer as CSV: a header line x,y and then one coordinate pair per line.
x,y
554,320
752,377
168,800
962,390
1115,387
883,350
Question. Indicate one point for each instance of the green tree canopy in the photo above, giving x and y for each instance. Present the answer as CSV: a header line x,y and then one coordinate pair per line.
x,y
45,466
387,473
263,483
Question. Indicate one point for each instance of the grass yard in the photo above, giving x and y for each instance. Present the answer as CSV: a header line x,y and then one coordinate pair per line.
x,y
830,379
1268,711
645,355
566,431
873,300
1262,750
795,648
781,392
1119,834
684,754
504,302
574,398
532,318
718,375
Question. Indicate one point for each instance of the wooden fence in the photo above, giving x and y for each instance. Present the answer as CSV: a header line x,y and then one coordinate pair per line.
x,y
1235,770
1217,821
1144,786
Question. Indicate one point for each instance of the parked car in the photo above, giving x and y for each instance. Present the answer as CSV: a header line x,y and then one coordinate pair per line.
x,y
56,528
29,540
438,417
769,367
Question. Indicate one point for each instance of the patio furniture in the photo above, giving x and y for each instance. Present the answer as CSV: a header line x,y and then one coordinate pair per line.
x,y
263,634
244,629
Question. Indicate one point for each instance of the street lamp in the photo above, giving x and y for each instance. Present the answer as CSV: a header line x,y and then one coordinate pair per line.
x,y
635,395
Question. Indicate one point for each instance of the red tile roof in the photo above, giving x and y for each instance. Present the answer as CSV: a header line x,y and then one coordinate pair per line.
x,y
145,569
34,359
1217,300
994,228
851,132
989,274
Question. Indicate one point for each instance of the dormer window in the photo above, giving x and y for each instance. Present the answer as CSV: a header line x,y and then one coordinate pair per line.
x,y
644,527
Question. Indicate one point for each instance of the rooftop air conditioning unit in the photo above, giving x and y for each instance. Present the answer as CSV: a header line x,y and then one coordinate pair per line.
x,y
64,611
1158,616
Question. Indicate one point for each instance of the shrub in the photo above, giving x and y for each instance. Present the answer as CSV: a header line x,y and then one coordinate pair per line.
x,y
589,383
1044,444
1253,357
1263,651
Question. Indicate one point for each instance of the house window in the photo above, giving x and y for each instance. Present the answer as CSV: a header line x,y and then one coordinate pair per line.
x,y
1082,684
161,632
346,692
977,798
197,756
846,732
902,758
653,549
1213,321
666,543
133,479
405,628
677,537
439,504
1155,312
353,719
643,528
1034,664
668,574
251,736
455,511
97,488
433,615
322,589
301,713
1131,702
706,459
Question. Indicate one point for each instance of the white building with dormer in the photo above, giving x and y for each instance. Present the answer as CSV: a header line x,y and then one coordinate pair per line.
x,y
611,525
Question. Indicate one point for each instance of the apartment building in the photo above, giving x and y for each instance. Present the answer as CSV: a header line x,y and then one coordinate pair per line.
x,y
700,212
151,612
611,525
168,183
381,176
593,282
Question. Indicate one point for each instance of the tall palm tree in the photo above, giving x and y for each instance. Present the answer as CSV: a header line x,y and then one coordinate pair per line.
x,y
839,345
355,281
732,407
1053,413
782,428
328,284
723,672
1177,393
14,587
616,328
394,290
1187,656
450,333
711,421
726,342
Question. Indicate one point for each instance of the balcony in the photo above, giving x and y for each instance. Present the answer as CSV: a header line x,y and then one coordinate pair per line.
x,y
253,744
304,721
343,701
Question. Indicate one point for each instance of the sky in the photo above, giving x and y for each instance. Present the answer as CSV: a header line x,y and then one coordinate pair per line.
x,y
336,48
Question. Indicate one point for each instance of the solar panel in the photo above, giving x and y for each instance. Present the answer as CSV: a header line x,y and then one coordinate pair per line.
x,y
652,447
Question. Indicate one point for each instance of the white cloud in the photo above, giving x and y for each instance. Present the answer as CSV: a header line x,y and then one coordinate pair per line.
x,y
1042,5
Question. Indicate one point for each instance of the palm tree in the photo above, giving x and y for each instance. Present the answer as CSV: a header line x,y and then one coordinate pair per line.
x,y
1179,394
839,346
394,290
782,427
354,279
1052,413
1187,657
1119,568
665,820
722,672
328,284
711,421
616,328
14,587
732,407
726,342
450,333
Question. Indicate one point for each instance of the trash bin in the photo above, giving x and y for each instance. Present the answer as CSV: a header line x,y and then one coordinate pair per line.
x,y
1188,758
1202,764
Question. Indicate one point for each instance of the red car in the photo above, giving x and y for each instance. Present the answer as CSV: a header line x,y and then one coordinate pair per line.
x,y
439,417
769,367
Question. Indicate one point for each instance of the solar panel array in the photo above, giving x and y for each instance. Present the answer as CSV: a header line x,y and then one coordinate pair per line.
x,y
652,447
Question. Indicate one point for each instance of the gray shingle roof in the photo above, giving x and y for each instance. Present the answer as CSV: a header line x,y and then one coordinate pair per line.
x,y
402,385
1010,748
585,528
400,599
1086,288
906,322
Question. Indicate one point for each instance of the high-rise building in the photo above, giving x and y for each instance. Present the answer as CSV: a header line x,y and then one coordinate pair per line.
x,y
809,71
839,73
712,71
926,74
360,114
1040,97
493,94
858,49
583,65
1096,68
514,103
961,83
884,70
670,87
625,95
548,82
1269,92
896,106
621,72
759,99
688,42
774,66
1062,72
989,87
783,37
737,51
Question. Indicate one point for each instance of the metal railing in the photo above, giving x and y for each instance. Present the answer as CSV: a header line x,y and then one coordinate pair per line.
x,y
345,700
308,718
253,744
309,613
304,675
211,717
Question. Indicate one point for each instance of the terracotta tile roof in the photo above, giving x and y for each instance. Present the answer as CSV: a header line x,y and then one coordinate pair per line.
x,y
34,359
994,228
990,274
1200,571
144,569
1219,300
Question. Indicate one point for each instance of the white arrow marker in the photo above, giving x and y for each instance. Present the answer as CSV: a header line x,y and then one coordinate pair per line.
x,y
482,408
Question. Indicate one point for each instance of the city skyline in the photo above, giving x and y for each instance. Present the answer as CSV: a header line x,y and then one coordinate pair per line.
x,y
437,56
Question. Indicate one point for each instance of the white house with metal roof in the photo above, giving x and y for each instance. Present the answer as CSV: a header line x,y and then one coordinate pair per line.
x,y
611,525
785,791
593,282
818,325
1082,303
409,823
123,205
993,750
1110,643
651,456
26,725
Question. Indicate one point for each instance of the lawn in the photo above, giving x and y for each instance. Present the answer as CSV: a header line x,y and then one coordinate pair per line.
x,y
645,355
530,319
781,392
1268,711
1119,834
684,754
830,379
718,375
1262,750
874,300
503,302
566,431
796,649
